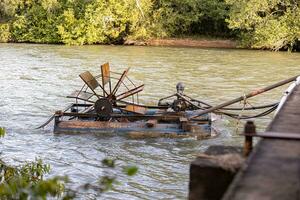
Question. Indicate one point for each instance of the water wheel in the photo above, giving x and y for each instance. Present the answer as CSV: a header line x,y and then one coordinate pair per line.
x,y
107,91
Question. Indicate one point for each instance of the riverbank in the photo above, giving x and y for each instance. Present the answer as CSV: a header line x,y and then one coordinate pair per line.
x,y
186,42
181,42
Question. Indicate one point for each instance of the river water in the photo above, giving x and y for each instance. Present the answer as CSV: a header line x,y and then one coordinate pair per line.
x,y
35,79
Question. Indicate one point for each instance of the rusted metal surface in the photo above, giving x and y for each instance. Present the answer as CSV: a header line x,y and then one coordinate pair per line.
x,y
81,95
110,113
105,72
60,112
158,116
139,129
92,83
151,123
89,79
183,123
130,92
272,170
120,81
104,109
135,109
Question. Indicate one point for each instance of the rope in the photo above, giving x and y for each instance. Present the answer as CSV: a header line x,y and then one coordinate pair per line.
x,y
245,102
254,107
240,114
255,116
262,114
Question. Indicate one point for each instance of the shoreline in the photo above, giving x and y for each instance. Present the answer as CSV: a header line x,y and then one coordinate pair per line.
x,y
186,42
168,42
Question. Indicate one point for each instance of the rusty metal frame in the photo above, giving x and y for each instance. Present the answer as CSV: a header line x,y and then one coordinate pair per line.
x,y
120,81
92,89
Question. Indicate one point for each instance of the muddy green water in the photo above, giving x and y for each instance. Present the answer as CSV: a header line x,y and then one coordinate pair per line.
x,y
35,79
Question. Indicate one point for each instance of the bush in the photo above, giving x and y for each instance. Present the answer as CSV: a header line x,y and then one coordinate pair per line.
x,y
26,182
192,17
80,22
4,33
266,24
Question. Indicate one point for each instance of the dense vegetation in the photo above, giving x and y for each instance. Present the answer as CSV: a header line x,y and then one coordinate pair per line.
x,y
270,24
266,24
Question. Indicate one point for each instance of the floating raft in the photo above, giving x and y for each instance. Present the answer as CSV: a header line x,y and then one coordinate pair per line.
x,y
156,122
108,104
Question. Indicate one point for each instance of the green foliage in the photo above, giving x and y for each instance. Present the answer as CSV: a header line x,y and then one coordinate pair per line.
x,y
70,29
34,171
26,182
108,181
2,132
214,13
4,33
35,22
142,23
130,170
109,162
266,24
77,22
8,9
71,22
178,17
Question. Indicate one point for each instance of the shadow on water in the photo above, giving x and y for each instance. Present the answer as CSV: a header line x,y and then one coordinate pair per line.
x,y
35,78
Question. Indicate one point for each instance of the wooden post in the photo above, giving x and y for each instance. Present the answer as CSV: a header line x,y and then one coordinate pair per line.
x,y
211,173
249,130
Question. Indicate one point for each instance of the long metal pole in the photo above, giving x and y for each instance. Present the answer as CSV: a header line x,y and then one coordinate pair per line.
x,y
251,94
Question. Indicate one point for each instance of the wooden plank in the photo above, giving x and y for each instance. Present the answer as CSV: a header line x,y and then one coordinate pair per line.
x,y
89,79
135,109
105,73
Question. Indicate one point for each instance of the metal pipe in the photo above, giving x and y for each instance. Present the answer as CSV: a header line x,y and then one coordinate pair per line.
x,y
251,94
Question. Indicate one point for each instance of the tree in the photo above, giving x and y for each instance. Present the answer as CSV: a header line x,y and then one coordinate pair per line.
x,y
78,22
266,24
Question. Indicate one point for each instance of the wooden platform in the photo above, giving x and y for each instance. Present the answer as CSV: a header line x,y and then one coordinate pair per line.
x,y
273,169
